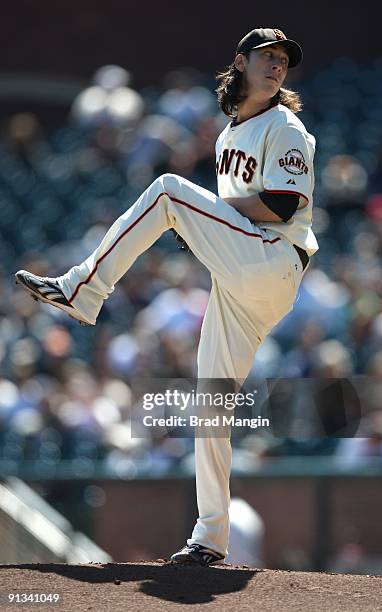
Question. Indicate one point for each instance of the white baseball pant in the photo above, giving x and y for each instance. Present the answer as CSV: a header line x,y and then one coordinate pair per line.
x,y
255,277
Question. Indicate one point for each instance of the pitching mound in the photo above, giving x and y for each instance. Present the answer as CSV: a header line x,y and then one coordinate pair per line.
x,y
163,586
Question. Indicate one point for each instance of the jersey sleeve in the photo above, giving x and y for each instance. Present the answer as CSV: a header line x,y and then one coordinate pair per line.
x,y
218,144
288,165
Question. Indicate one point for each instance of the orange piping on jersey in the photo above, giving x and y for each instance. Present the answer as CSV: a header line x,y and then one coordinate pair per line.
x,y
177,201
297,193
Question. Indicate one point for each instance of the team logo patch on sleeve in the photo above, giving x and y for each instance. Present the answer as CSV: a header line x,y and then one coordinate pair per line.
x,y
294,162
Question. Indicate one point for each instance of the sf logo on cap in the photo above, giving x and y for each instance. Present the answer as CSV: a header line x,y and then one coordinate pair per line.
x,y
279,35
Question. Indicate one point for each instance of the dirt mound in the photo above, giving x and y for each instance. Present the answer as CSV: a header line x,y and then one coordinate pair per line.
x,y
163,586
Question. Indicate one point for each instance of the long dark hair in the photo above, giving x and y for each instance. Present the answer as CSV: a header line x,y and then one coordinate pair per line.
x,y
231,91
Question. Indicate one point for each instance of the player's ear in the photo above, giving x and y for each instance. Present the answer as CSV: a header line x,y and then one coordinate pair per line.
x,y
240,62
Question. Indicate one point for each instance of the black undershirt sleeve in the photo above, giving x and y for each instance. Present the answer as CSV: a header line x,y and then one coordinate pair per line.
x,y
284,205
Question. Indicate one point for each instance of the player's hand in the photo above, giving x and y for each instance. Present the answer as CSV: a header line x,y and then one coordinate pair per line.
x,y
231,201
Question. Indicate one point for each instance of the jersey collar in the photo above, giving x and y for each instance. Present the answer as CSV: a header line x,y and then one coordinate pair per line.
x,y
235,123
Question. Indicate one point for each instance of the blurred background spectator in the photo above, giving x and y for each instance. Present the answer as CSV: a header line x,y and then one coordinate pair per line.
x,y
61,187
246,534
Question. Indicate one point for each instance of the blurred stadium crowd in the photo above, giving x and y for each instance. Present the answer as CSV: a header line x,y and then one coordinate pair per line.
x,y
65,390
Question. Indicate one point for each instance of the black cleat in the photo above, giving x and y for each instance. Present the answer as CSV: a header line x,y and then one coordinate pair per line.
x,y
196,554
47,290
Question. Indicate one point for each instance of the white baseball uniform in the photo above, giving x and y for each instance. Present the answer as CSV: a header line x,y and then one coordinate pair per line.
x,y
255,270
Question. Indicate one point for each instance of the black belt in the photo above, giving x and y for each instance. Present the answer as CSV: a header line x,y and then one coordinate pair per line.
x,y
303,255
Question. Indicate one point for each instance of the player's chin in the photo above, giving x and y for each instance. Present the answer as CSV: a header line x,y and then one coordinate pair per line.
x,y
272,87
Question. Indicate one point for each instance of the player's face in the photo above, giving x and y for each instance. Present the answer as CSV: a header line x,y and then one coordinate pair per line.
x,y
265,70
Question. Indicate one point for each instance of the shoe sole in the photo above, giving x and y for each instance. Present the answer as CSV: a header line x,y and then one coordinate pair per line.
x,y
39,298
186,559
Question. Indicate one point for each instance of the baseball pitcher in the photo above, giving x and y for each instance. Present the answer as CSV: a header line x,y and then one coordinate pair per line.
x,y
255,238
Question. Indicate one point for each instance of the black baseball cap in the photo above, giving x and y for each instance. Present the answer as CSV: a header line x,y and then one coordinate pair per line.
x,y
265,37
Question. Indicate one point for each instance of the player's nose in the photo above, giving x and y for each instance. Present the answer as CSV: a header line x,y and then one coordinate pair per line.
x,y
277,65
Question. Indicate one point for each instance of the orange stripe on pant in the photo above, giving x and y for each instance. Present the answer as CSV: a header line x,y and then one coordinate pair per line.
x,y
177,201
